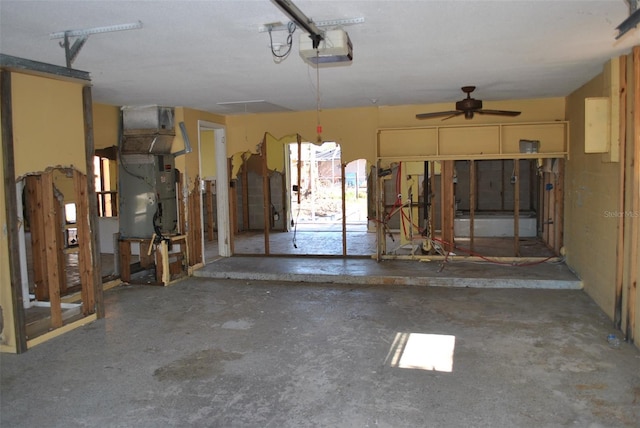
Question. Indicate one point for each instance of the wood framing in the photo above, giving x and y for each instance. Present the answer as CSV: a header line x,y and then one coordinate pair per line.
x,y
448,204
208,197
85,262
343,168
51,237
9,180
245,193
516,208
473,181
266,200
622,101
635,202
92,203
558,221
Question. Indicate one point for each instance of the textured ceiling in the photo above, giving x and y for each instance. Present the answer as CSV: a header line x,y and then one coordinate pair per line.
x,y
203,53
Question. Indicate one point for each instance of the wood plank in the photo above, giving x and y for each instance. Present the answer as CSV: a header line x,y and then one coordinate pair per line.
x,y
95,286
9,179
622,100
552,210
245,194
635,201
558,221
124,248
62,262
36,227
344,208
85,263
51,232
516,208
233,206
266,199
448,204
473,182
196,224
209,195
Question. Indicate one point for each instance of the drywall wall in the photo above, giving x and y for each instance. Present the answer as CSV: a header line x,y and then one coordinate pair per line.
x,y
105,125
356,129
48,124
207,154
591,200
7,337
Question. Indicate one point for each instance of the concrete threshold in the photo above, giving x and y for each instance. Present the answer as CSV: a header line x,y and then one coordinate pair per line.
x,y
458,274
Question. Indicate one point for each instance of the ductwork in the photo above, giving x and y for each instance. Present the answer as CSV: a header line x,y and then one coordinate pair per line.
x,y
147,129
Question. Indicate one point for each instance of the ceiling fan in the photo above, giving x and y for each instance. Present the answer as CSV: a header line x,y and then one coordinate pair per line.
x,y
468,107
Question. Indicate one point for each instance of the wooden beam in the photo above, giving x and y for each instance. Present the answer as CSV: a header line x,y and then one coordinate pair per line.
x,y
473,182
85,264
233,207
558,220
51,235
245,194
622,100
9,178
94,242
516,208
124,248
209,204
299,138
344,208
33,186
448,204
266,200
635,201
432,197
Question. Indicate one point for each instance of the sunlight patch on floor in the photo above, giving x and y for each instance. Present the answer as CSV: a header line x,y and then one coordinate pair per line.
x,y
421,351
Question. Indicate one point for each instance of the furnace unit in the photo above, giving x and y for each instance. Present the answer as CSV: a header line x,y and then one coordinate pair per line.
x,y
147,173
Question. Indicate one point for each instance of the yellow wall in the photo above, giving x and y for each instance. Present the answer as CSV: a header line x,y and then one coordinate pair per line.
x,y
105,125
592,193
7,338
189,164
356,129
48,124
208,154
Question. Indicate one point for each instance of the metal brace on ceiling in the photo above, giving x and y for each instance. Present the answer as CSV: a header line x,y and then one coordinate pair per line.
x,y
632,21
72,51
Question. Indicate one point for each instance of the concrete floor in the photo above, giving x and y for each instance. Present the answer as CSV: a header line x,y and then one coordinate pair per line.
x,y
223,353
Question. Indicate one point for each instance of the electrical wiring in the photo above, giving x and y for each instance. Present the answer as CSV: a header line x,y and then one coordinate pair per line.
x,y
291,28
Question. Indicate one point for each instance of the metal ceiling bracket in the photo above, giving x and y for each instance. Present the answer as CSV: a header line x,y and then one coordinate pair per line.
x,y
277,26
71,51
632,21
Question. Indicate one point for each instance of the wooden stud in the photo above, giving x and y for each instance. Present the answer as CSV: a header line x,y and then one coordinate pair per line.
x,y
124,248
209,204
62,262
299,138
9,178
448,204
245,194
51,228
558,220
635,201
36,225
84,238
94,242
344,208
233,207
617,318
516,208
266,200
432,195
473,181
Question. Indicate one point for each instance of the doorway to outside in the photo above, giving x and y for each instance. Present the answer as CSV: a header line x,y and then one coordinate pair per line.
x,y
322,207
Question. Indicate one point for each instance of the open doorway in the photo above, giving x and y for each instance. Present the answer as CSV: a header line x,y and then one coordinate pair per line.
x,y
328,202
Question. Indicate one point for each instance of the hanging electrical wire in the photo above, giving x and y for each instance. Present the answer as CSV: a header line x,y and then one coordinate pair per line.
x,y
277,57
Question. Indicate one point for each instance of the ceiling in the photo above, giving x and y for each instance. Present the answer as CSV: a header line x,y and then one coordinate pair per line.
x,y
202,53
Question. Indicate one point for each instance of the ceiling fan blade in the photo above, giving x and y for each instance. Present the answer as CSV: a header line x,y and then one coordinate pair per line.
x,y
499,112
436,114
457,113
